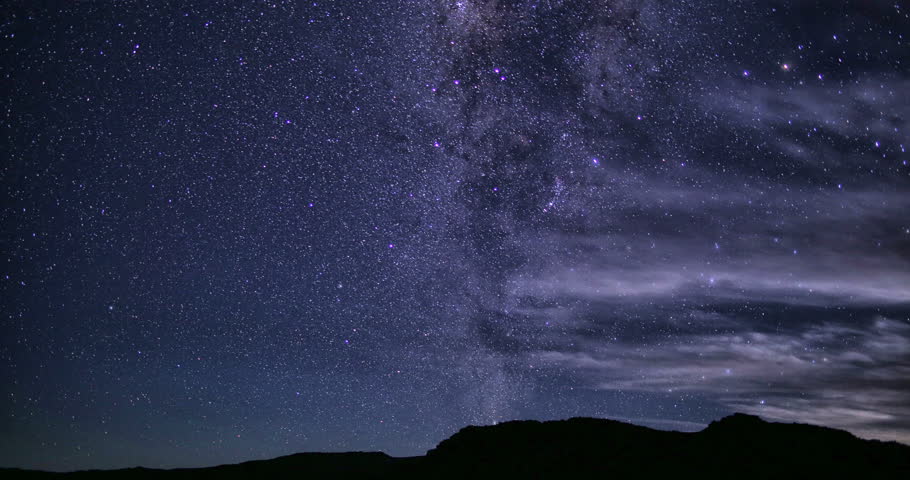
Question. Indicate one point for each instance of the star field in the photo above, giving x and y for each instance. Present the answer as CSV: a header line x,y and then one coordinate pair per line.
x,y
242,231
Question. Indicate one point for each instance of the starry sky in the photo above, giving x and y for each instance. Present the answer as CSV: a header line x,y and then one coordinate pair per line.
x,y
239,230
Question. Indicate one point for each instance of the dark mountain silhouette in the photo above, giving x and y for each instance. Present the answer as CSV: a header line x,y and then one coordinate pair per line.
x,y
738,445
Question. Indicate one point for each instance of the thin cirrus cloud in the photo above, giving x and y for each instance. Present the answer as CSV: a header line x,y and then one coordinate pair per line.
x,y
847,376
824,263
774,280
873,106
815,248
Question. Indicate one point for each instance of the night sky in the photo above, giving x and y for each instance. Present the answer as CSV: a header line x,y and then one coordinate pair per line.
x,y
234,231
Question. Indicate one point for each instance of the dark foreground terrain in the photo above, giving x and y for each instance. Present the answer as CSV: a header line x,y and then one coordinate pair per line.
x,y
739,445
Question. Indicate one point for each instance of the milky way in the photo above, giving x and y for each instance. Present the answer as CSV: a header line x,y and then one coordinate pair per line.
x,y
241,232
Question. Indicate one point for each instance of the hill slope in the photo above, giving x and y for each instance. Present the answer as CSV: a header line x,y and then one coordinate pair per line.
x,y
579,447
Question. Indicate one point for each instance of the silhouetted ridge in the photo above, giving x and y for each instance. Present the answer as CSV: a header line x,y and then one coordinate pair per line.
x,y
584,447
737,421
573,439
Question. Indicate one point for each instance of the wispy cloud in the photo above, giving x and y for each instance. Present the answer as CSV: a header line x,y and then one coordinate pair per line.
x,y
847,376
814,248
